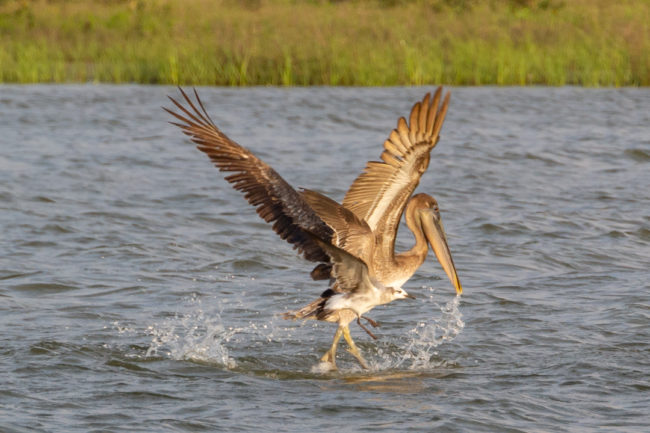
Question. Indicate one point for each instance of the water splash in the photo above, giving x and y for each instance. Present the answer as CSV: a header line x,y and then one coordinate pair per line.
x,y
428,335
423,340
192,336
199,336
323,367
416,350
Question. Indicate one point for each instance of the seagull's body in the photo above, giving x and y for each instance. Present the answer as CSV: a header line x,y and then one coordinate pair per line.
x,y
353,241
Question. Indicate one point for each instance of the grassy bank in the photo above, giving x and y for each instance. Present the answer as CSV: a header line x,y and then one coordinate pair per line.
x,y
301,42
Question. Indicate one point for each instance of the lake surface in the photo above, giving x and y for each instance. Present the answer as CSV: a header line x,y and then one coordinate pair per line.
x,y
139,292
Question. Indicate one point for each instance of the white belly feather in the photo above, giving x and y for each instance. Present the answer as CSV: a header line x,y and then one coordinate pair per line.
x,y
358,303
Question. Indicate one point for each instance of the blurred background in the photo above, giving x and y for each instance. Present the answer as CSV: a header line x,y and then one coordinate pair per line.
x,y
319,42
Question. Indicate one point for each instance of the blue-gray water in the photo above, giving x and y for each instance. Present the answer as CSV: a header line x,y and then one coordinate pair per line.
x,y
139,292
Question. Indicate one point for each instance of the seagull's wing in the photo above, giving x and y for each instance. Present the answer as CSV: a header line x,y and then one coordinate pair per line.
x,y
351,233
351,273
379,195
276,201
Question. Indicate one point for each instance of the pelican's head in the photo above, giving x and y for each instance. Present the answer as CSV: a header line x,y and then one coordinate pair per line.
x,y
429,215
399,293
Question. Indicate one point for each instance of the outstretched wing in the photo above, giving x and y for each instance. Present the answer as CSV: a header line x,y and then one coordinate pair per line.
x,y
276,201
380,193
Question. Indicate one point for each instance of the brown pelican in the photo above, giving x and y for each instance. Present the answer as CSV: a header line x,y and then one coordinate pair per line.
x,y
354,241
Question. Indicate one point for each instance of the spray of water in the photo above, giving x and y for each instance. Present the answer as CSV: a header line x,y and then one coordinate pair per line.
x,y
199,336
419,347
428,335
193,336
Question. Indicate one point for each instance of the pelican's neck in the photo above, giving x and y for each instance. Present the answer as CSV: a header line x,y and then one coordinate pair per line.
x,y
421,248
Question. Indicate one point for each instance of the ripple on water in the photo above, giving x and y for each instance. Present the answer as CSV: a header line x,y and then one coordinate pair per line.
x,y
640,155
44,288
111,218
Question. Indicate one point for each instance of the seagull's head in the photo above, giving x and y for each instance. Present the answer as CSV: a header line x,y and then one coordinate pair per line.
x,y
399,293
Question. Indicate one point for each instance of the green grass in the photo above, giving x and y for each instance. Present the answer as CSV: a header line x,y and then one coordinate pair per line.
x,y
301,42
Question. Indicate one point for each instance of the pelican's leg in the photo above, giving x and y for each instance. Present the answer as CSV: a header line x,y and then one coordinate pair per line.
x,y
330,355
353,349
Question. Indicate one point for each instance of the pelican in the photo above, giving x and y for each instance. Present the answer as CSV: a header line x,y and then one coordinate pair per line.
x,y
353,241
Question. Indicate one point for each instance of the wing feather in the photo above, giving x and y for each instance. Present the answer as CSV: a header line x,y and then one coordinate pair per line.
x,y
395,139
275,200
380,193
351,273
422,121
350,233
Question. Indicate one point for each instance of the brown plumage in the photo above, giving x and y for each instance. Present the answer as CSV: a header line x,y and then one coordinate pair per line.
x,y
380,194
353,241
276,201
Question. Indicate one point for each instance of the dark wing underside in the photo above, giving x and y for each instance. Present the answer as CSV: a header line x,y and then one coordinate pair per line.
x,y
275,200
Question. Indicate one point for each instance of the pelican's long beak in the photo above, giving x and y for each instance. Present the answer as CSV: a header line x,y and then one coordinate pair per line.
x,y
435,233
